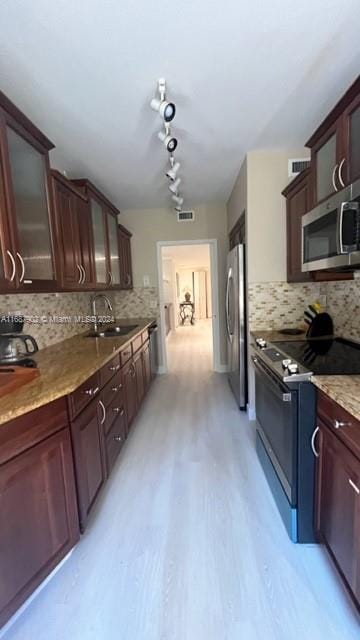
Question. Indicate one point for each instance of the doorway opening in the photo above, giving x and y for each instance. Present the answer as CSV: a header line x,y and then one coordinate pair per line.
x,y
188,291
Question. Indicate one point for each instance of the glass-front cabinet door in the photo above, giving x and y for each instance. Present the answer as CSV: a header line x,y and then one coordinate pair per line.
x,y
102,275
113,250
7,259
30,218
351,163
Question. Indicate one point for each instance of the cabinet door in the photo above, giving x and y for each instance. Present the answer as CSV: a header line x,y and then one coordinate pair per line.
x,y
146,366
88,445
39,521
86,244
325,160
126,278
350,163
296,206
113,250
140,388
29,198
131,403
102,275
7,255
66,213
338,500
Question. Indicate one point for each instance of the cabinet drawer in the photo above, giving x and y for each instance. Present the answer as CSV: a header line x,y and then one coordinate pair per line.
x,y
342,423
81,397
137,343
33,427
113,411
109,370
113,389
114,441
125,355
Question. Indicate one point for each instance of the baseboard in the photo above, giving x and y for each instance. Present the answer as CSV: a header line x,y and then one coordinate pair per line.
x,y
251,413
27,602
221,368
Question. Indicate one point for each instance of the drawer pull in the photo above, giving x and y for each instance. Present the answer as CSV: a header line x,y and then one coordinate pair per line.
x,y
92,392
115,389
118,438
353,485
316,453
103,411
114,367
116,409
338,424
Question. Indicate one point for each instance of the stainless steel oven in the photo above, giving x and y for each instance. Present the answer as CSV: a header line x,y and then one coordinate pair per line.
x,y
330,233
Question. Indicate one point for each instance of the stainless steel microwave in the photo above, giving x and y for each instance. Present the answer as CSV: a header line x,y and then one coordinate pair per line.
x,y
331,232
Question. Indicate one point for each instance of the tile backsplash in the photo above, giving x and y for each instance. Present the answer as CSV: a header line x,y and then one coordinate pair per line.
x,y
140,302
280,304
343,304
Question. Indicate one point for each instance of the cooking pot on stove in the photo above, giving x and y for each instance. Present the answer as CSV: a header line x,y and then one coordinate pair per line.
x,y
16,347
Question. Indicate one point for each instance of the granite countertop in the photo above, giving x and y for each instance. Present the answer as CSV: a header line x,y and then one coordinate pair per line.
x,y
64,366
345,390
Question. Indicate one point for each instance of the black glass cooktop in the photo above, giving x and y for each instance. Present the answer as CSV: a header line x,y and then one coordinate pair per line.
x,y
324,357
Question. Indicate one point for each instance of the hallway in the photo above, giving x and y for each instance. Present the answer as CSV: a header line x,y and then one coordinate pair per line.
x,y
186,542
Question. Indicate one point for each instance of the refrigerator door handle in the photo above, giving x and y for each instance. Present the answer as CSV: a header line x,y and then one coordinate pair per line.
x,y
227,305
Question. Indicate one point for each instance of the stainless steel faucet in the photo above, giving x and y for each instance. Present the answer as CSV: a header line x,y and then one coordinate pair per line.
x,y
94,298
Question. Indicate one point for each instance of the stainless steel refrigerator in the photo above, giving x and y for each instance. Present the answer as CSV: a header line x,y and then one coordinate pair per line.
x,y
235,311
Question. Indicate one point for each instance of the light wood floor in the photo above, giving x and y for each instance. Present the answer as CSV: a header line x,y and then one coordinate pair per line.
x,y
186,543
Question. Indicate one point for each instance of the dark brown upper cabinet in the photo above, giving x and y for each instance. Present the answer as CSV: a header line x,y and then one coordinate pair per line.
x,y
75,265
27,240
106,255
297,204
126,276
335,155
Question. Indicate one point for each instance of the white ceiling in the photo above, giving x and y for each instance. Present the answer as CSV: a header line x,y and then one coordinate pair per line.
x,y
243,75
188,255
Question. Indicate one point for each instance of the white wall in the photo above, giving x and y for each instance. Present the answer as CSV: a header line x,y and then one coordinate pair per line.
x,y
152,225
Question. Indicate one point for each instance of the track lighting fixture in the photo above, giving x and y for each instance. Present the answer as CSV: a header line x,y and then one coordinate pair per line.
x,y
178,199
174,186
169,141
165,109
175,166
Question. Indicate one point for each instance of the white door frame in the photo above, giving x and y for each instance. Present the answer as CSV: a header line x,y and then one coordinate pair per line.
x,y
213,246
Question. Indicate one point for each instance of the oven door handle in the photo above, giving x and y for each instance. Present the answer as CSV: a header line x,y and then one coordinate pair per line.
x,y
279,390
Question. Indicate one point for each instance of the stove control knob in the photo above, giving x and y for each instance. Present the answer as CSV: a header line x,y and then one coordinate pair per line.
x,y
285,363
293,368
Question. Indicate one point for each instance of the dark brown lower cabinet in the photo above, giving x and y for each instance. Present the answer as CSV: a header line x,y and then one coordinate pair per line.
x,y
89,457
139,371
39,520
338,506
115,440
146,365
129,381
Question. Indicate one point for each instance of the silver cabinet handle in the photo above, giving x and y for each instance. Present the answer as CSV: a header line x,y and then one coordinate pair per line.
x,y
22,266
316,453
338,424
117,438
333,178
114,367
84,274
80,274
353,485
103,410
92,392
116,409
110,278
13,265
340,172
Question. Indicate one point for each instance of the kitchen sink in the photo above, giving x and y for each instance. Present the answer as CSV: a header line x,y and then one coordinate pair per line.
x,y
112,332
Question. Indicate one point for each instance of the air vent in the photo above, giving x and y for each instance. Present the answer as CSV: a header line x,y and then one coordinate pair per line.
x,y
296,165
185,216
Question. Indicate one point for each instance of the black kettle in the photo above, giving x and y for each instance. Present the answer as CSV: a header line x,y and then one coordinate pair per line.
x,y
15,348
